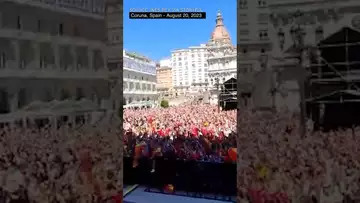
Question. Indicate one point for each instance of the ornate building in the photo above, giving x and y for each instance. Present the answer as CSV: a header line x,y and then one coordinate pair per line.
x,y
221,57
52,50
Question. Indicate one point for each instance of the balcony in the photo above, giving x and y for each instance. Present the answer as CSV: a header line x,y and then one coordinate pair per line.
x,y
11,71
42,37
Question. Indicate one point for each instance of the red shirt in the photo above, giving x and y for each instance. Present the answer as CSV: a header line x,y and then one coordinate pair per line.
x,y
118,198
195,132
204,131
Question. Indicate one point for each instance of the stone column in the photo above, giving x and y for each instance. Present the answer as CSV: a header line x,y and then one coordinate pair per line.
x,y
13,100
104,58
57,56
36,60
74,58
91,59
16,47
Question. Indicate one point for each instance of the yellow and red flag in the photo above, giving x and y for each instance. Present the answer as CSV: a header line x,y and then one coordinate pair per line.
x,y
138,149
232,153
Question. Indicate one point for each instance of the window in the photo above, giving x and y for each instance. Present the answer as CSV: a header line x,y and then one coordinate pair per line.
x,y
262,3
243,4
22,95
263,35
39,25
263,18
243,19
76,31
244,33
18,26
2,60
79,93
61,29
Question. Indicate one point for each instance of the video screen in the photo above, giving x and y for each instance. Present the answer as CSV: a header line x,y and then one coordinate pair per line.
x,y
179,76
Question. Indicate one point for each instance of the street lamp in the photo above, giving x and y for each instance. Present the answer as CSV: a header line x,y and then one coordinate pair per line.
x,y
263,60
298,34
217,84
281,36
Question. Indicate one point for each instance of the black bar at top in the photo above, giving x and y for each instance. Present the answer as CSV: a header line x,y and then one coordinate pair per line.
x,y
167,15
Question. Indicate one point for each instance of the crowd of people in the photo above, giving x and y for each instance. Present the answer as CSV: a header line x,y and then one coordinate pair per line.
x,y
60,165
275,162
197,132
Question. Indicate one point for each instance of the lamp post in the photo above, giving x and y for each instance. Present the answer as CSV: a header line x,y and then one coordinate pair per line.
x,y
298,34
217,84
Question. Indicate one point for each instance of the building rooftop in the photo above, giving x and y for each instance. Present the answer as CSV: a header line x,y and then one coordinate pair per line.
x,y
220,33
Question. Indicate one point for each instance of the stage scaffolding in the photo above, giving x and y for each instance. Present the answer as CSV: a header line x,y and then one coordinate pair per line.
x,y
334,79
227,94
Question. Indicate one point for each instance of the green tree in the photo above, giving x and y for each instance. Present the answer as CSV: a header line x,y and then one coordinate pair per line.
x,y
164,103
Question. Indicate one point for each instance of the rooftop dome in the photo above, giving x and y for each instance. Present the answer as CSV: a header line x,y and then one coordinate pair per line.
x,y
220,34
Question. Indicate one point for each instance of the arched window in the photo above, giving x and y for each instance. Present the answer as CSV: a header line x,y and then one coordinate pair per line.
x,y
48,96
79,93
64,94
4,102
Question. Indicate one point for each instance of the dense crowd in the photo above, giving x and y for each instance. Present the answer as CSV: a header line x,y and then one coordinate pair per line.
x,y
198,132
274,158
275,162
65,165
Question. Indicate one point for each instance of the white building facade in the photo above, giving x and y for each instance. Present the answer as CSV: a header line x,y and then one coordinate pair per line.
x,y
57,54
221,58
165,62
139,78
189,69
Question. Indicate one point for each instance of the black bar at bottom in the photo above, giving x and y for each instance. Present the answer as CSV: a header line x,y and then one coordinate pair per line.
x,y
188,176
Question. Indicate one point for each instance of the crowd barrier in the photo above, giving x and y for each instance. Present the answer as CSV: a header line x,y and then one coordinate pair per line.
x,y
188,176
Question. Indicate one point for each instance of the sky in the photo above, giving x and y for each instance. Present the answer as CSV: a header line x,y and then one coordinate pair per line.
x,y
156,38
